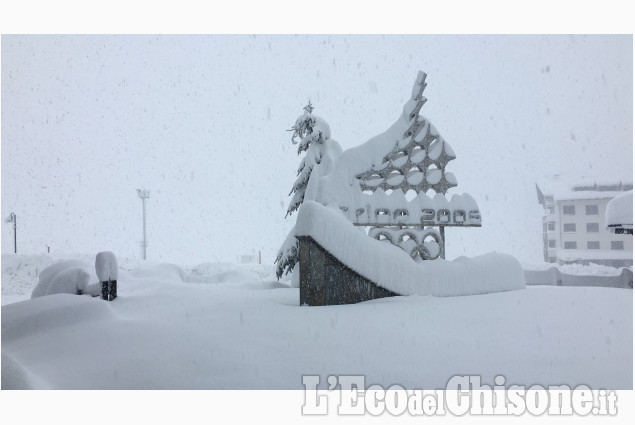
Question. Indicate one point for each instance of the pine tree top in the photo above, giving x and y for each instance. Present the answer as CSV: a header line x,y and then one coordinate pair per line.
x,y
309,128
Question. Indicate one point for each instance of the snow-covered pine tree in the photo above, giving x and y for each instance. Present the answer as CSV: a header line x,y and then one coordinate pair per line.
x,y
313,137
310,130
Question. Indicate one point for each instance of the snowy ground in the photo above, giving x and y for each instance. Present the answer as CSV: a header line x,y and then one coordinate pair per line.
x,y
229,326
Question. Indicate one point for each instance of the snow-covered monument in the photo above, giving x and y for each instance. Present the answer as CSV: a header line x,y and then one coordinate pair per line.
x,y
372,221
369,184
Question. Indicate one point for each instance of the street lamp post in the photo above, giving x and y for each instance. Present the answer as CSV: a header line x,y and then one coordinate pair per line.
x,y
144,194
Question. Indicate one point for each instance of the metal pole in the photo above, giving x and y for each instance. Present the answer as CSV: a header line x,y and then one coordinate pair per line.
x,y
144,194
145,243
15,232
442,231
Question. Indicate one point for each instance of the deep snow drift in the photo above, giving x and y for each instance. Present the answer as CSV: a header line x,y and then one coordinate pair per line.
x,y
224,326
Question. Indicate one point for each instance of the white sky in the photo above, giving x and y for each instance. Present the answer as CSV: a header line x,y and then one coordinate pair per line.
x,y
201,122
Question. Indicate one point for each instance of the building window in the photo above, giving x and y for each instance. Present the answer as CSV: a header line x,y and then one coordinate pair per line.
x,y
568,209
552,243
551,209
592,210
551,226
569,227
592,227
618,245
593,245
570,245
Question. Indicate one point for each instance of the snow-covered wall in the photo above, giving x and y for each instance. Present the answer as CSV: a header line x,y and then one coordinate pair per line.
x,y
393,269
554,277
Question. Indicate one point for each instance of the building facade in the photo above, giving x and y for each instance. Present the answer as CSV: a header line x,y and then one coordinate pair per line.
x,y
573,224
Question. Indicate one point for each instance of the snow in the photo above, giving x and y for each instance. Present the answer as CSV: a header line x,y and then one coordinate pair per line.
x,y
393,269
434,176
15,376
328,152
319,160
287,257
106,266
74,280
248,332
579,275
619,210
319,131
591,269
395,147
569,195
415,177
570,189
593,254
48,275
18,273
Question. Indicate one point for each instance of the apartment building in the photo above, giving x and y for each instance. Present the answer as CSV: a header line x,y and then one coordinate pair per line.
x,y
573,223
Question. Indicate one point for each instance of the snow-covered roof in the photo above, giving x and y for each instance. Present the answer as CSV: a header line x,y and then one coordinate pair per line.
x,y
583,188
619,211
585,194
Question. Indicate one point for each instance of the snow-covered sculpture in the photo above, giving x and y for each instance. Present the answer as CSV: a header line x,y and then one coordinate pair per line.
x,y
369,184
314,138
383,185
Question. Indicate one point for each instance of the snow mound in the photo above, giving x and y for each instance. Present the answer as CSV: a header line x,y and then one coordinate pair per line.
x,y
393,269
229,276
225,272
591,269
271,284
208,269
44,314
161,334
73,281
48,275
16,377
164,272
578,275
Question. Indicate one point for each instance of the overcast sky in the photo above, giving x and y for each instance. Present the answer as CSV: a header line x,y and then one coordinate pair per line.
x,y
200,121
